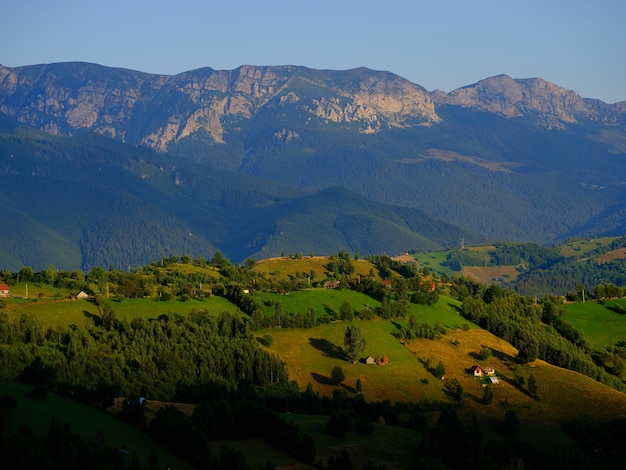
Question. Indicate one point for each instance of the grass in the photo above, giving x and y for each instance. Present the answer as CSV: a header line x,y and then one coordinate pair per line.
x,y
321,300
600,325
311,354
286,268
67,312
488,274
258,452
390,445
434,260
582,247
83,419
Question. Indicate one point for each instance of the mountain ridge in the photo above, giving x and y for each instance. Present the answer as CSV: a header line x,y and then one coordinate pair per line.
x,y
505,159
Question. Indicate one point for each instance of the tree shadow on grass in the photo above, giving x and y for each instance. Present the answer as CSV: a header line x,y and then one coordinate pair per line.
x,y
328,348
322,379
97,320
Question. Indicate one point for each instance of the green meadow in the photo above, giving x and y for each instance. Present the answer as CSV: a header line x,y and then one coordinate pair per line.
x,y
581,247
329,301
600,325
76,312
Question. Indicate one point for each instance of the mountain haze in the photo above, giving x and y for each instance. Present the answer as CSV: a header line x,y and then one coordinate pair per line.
x,y
260,160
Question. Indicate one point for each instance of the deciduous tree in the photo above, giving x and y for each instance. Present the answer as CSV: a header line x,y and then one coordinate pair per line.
x,y
353,342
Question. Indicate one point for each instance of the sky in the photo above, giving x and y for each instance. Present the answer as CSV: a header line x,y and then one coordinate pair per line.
x,y
438,44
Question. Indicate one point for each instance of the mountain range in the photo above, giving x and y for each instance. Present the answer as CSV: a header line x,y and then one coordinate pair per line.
x,y
114,167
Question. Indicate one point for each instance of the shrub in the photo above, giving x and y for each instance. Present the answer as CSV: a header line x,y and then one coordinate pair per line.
x,y
485,353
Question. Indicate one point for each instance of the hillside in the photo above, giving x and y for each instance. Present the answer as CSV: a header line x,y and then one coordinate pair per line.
x,y
90,201
502,159
263,340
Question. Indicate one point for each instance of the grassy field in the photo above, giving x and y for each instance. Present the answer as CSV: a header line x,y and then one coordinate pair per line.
x,y
83,419
489,274
600,325
582,247
285,268
321,300
67,312
311,354
434,260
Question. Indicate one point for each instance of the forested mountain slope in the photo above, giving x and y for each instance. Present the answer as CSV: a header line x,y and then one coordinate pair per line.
x,y
87,200
510,159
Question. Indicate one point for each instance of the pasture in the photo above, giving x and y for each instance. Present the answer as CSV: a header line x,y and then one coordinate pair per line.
x,y
490,274
311,354
314,266
600,325
580,248
54,313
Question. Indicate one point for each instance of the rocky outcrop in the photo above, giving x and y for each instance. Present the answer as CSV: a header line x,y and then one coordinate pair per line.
x,y
549,103
156,110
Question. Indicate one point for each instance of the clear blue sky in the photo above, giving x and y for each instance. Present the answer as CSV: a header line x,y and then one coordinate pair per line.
x,y
439,44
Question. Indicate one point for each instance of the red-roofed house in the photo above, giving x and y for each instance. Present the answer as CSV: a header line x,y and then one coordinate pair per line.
x,y
4,290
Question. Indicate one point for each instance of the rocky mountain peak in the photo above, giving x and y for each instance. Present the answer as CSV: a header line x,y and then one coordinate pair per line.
x,y
518,97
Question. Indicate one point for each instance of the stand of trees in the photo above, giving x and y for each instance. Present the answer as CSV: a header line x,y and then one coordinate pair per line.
x,y
537,332
153,358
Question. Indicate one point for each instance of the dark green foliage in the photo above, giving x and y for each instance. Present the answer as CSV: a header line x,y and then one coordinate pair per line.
x,y
8,401
518,320
345,312
266,340
440,370
532,387
446,443
61,448
178,433
342,462
150,357
353,342
487,395
229,459
511,424
339,423
363,425
571,275
485,353
414,329
337,375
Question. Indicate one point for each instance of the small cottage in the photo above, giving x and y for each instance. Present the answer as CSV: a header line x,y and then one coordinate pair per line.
x,y
370,360
4,290
82,295
331,284
476,371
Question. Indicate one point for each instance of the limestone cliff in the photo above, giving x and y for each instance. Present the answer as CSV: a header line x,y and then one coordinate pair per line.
x,y
156,110
551,104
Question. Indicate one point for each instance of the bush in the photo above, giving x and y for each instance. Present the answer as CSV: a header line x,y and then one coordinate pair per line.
x,y
266,340
339,423
38,392
485,353
7,401
337,375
